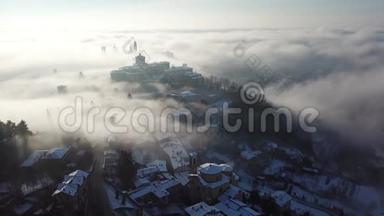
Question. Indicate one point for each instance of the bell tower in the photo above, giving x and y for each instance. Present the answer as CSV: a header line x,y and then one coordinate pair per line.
x,y
140,60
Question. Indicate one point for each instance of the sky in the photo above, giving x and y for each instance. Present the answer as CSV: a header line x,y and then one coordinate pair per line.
x,y
192,14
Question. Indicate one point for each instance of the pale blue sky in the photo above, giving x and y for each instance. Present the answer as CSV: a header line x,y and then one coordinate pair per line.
x,y
201,13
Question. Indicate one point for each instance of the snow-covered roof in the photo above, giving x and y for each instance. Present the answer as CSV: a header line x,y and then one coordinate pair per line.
x,y
269,145
222,181
213,169
245,181
312,198
182,177
116,203
275,167
188,93
323,184
141,181
158,188
33,158
71,183
230,193
249,155
202,209
264,190
159,164
292,153
176,152
56,153
300,208
234,207
281,198
146,171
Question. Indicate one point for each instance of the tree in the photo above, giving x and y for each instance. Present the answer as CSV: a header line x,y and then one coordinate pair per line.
x,y
23,132
22,129
9,151
2,130
126,170
10,128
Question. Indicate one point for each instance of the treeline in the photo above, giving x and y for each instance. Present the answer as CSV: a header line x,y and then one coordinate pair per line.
x,y
223,84
9,129
13,147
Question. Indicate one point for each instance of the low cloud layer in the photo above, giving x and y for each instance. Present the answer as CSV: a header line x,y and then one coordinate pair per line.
x,y
339,72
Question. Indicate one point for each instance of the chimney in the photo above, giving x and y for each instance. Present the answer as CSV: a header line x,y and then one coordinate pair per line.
x,y
124,197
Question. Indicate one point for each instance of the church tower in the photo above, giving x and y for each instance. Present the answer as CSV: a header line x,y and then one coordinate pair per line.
x,y
140,60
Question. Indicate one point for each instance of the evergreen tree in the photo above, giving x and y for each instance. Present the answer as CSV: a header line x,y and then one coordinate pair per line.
x,y
22,130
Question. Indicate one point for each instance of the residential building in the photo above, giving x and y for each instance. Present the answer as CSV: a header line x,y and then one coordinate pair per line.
x,y
210,181
71,195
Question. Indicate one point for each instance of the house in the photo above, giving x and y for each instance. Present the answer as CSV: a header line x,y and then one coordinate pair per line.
x,y
55,161
234,192
157,166
246,182
248,154
71,194
229,207
189,96
175,154
156,193
33,159
232,207
301,208
140,71
281,198
179,75
210,181
118,203
203,209
31,166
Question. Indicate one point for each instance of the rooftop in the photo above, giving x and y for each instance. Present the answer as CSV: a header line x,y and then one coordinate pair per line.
x,y
152,168
281,198
213,169
176,152
202,209
71,183
300,208
234,207
116,203
223,180
56,153
158,188
33,158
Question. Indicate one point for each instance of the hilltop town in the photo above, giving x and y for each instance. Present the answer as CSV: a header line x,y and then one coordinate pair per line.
x,y
212,173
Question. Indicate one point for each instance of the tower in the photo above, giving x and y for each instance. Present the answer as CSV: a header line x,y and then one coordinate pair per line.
x,y
193,161
140,60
